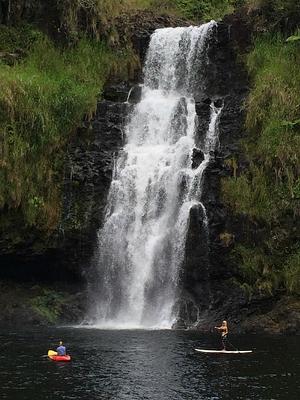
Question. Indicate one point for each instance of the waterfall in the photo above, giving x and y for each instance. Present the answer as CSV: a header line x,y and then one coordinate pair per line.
x,y
142,242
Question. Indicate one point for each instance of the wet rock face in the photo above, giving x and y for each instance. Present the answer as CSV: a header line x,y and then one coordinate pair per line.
x,y
203,110
207,293
197,158
88,173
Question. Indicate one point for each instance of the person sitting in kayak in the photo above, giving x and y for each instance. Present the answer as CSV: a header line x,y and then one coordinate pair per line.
x,y
61,350
224,332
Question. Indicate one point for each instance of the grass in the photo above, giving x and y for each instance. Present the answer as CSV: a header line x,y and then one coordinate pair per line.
x,y
205,9
16,39
258,269
93,17
43,99
269,191
271,186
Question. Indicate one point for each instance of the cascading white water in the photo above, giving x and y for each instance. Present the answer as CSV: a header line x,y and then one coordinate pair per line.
x,y
141,245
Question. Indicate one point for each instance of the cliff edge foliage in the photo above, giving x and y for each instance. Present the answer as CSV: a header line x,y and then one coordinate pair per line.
x,y
267,190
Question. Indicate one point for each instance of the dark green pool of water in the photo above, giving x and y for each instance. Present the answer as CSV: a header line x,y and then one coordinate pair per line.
x,y
136,365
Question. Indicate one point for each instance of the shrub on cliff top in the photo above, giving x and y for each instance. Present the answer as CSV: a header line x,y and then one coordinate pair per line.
x,y
258,269
205,9
89,16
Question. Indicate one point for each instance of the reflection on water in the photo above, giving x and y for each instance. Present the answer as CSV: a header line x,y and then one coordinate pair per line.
x,y
136,365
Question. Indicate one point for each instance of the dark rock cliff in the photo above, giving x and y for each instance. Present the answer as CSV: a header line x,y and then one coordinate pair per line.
x,y
210,288
88,173
208,292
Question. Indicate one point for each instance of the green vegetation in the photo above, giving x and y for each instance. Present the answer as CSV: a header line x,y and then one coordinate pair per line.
x,y
43,99
195,10
272,12
93,17
269,191
292,272
277,8
17,40
273,15
49,305
205,9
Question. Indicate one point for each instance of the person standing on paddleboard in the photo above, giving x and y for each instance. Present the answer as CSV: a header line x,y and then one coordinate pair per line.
x,y
224,332
61,350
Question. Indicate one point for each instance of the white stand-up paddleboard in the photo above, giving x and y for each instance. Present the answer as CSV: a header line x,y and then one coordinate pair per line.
x,y
225,351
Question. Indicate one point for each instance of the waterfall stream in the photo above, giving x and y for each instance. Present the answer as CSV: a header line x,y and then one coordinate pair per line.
x,y
141,245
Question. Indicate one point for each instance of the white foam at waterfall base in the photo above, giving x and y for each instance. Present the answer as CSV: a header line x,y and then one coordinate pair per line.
x,y
141,245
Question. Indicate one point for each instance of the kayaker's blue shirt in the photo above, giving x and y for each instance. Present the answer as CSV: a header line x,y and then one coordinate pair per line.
x,y
61,351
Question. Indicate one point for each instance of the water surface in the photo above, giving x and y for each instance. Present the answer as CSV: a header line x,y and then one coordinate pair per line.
x,y
136,365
